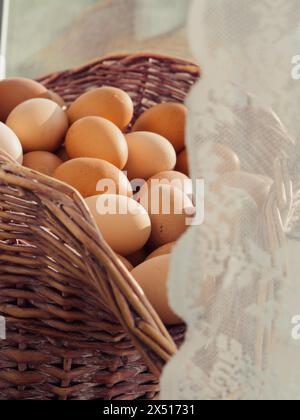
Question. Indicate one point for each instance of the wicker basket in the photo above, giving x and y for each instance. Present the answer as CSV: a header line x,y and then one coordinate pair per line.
x,y
77,325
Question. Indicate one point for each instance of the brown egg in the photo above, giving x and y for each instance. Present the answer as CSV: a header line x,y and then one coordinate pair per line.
x,y
124,223
98,138
107,102
10,143
256,186
43,162
125,262
14,91
149,154
53,96
166,119
173,178
182,163
152,276
40,125
169,210
86,174
163,250
226,159
62,154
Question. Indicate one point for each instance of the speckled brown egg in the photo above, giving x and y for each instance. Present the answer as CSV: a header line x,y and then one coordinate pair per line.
x,y
16,90
110,103
169,210
85,174
40,124
43,162
168,120
99,138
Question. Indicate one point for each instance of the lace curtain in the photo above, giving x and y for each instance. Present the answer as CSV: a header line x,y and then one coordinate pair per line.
x,y
234,278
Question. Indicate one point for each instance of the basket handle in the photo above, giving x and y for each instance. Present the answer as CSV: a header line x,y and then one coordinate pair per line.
x,y
113,285
126,299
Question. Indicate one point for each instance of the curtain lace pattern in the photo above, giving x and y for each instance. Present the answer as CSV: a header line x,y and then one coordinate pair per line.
x,y
233,279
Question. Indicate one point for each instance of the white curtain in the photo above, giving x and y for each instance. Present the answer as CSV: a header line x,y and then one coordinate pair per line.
x,y
235,279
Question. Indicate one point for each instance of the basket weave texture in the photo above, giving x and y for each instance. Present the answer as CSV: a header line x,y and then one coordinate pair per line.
x,y
77,325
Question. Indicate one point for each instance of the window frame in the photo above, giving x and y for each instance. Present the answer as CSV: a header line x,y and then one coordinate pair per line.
x,y
4,16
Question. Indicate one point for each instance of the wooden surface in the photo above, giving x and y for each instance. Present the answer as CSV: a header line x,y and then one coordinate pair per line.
x,y
51,35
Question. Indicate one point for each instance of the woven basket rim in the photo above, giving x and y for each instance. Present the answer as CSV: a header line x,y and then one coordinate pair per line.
x,y
127,57
115,266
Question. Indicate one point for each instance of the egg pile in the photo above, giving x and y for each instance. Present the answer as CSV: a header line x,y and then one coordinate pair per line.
x,y
89,143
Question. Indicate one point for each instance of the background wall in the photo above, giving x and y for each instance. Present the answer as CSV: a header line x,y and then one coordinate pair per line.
x,y
49,35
